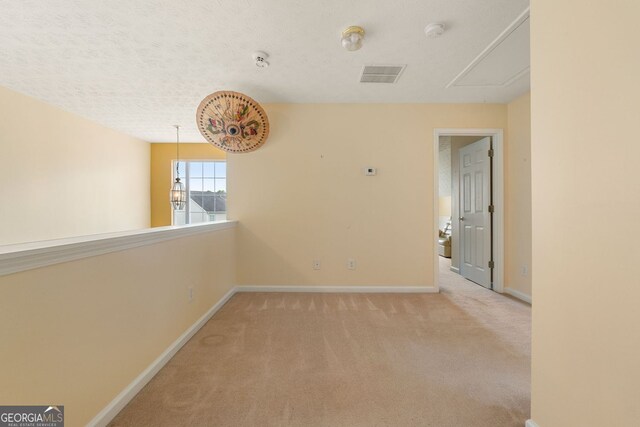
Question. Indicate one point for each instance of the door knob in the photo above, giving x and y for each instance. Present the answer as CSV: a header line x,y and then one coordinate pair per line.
x,y
461,218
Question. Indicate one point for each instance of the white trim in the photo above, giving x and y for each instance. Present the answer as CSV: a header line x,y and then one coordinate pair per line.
x,y
498,215
105,416
498,197
517,76
495,43
27,256
455,270
530,423
341,289
517,294
435,263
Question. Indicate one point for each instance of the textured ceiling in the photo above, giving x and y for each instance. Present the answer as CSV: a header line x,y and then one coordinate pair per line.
x,y
142,66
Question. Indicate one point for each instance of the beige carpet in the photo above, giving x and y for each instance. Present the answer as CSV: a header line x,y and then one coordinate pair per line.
x,y
458,358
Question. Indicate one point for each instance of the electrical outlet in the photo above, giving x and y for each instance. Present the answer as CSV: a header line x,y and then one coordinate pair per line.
x,y
316,264
351,264
190,294
524,270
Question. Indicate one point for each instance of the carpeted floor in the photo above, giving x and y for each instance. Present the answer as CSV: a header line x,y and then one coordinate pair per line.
x,y
459,358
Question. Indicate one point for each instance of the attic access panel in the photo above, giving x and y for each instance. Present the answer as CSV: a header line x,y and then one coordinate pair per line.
x,y
503,61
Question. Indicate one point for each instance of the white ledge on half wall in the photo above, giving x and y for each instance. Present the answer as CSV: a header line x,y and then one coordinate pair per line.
x,y
27,256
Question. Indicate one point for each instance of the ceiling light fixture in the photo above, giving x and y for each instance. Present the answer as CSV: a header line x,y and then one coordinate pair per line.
x,y
178,195
352,38
434,30
261,59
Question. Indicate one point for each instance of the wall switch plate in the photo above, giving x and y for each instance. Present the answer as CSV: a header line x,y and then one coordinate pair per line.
x,y
370,171
316,264
351,264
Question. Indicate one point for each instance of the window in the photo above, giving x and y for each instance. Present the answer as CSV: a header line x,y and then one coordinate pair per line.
x,y
206,186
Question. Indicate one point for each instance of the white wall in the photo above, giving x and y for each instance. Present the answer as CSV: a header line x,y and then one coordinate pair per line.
x,y
518,190
444,166
78,333
63,175
444,181
304,194
584,156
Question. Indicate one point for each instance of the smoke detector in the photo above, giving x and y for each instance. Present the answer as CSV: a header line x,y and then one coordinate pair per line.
x,y
434,30
260,59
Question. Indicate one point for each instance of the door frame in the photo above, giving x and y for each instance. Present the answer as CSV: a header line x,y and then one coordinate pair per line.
x,y
498,199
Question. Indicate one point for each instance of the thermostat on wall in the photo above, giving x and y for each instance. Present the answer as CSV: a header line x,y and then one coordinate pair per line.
x,y
369,171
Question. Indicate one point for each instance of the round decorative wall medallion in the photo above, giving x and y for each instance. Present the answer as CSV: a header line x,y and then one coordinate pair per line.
x,y
232,122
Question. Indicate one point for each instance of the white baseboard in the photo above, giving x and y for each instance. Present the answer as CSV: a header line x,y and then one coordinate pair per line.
x,y
116,405
455,270
341,289
530,423
517,294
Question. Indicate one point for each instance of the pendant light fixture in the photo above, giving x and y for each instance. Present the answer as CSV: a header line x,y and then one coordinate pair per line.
x,y
178,195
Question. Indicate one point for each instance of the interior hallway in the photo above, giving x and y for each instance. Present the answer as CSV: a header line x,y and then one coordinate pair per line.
x,y
458,358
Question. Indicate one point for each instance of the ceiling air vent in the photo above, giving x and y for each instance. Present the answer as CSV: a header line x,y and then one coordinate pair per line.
x,y
381,73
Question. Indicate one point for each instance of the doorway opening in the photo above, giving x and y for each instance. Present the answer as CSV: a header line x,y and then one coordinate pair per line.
x,y
469,204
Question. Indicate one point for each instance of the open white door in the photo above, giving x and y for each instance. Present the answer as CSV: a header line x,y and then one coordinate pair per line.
x,y
475,216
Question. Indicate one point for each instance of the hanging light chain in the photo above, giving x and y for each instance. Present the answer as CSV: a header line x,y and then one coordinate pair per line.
x,y
177,194
177,151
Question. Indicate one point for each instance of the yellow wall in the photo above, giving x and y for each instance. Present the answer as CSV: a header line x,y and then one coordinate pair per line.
x,y
64,176
586,201
79,332
161,174
304,194
518,193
